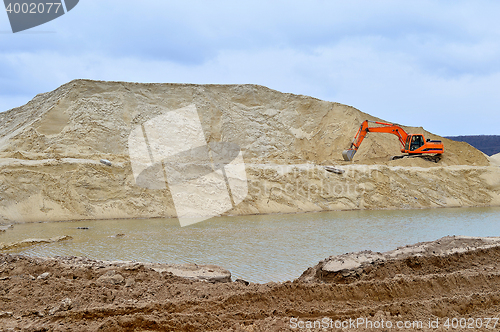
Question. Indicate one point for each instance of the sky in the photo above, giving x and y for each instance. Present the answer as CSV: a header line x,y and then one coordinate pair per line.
x,y
434,64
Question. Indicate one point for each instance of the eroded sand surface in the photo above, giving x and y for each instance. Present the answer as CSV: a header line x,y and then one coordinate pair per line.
x,y
451,277
50,150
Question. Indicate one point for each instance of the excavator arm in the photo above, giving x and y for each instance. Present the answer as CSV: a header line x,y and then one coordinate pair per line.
x,y
365,128
390,128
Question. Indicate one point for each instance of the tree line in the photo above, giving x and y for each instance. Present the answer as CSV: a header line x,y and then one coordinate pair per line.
x,y
488,144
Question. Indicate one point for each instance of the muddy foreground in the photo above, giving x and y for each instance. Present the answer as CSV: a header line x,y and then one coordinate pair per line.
x,y
453,277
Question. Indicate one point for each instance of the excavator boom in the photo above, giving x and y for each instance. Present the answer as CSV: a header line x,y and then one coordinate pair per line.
x,y
412,144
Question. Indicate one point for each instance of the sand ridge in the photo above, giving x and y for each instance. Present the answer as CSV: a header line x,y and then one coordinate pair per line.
x,y
495,159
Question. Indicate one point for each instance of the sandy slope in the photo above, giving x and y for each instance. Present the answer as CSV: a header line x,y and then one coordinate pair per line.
x,y
50,150
451,277
495,159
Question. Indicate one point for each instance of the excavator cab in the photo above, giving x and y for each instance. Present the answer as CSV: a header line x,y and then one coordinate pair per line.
x,y
413,142
416,144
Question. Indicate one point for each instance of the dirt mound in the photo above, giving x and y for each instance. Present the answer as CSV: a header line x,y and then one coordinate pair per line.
x,y
447,254
453,277
50,150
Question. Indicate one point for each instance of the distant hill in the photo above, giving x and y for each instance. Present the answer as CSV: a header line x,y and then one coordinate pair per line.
x,y
489,144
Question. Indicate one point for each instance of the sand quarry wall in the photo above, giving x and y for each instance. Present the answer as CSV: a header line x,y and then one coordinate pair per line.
x,y
50,150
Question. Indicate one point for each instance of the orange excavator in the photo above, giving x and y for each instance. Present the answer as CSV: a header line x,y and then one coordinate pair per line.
x,y
414,145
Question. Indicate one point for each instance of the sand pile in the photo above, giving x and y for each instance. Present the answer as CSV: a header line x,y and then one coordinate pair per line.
x,y
495,159
453,277
50,150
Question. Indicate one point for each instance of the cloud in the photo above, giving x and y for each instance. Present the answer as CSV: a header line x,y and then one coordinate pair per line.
x,y
424,63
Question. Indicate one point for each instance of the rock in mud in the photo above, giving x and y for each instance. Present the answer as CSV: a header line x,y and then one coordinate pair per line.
x,y
65,305
241,281
111,278
210,273
129,282
43,275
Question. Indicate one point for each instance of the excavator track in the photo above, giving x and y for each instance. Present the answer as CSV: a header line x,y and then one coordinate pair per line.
x,y
430,157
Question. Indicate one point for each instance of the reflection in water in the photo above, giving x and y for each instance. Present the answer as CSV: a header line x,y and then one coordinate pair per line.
x,y
256,248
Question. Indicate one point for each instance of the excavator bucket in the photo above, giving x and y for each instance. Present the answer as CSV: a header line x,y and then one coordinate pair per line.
x,y
348,154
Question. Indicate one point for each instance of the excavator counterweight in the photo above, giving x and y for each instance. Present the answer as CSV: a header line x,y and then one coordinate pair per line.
x,y
413,144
